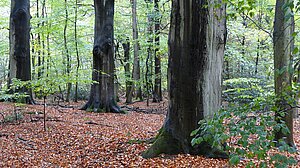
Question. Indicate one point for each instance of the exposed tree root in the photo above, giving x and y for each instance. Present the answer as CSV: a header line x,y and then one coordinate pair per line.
x,y
167,144
97,107
164,143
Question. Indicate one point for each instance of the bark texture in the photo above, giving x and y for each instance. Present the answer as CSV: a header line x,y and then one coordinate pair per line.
x,y
19,37
136,73
126,48
196,46
282,65
102,98
157,93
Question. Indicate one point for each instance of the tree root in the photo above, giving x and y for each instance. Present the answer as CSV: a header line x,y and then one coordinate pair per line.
x,y
164,143
96,107
167,144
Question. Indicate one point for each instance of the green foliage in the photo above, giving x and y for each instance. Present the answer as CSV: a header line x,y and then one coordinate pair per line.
x,y
18,97
13,118
243,90
248,132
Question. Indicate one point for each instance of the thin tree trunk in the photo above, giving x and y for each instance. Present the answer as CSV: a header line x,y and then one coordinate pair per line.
x,y
77,51
43,37
136,74
257,57
48,46
148,74
33,55
157,94
39,62
69,85
129,87
282,64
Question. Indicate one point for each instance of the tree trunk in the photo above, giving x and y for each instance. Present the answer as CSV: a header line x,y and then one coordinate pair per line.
x,y
39,62
282,65
196,47
157,94
257,57
136,74
296,111
68,69
77,51
149,61
126,48
102,93
19,37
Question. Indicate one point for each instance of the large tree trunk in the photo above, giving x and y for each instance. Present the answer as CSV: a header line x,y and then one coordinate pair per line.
x,y
157,93
19,37
102,96
136,74
282,66
196,46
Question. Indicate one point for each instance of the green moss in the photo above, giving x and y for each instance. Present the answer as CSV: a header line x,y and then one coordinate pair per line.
x,y
90,109
164,143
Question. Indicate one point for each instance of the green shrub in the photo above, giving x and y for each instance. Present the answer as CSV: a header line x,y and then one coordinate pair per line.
x,y
243,90
13,118
248,132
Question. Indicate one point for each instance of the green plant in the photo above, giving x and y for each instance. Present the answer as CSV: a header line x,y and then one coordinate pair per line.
x,y
13,118
243,90
248,132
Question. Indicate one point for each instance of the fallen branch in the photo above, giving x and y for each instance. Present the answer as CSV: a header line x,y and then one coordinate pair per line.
x,y
2,118
28,143
94,123
140,110
3,135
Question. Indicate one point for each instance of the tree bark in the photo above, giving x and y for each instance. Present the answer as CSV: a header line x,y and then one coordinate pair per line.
x,y
282,65
126,48
149,61
77,50
196,46
157,93
136,74
19,37
68,68
102,97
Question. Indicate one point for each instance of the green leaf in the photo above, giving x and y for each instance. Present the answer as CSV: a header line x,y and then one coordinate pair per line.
x,y
234,160
296,50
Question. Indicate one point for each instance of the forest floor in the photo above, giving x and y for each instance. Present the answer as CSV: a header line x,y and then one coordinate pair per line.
x,y
76,138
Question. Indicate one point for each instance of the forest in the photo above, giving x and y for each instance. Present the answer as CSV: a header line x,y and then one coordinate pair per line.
x,y
149,83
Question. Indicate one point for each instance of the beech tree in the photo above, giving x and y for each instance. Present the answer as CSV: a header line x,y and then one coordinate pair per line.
x,y
19,35
136,72
102,96
157,93
282,37
196,46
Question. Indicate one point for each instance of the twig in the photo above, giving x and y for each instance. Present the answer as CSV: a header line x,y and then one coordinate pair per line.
x,y
3,135
94,123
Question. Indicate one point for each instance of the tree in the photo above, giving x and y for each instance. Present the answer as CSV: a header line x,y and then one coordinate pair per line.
x,y
77,50
196,47
157,93
68,68
282,65
19,37
128,82
102,93
136,74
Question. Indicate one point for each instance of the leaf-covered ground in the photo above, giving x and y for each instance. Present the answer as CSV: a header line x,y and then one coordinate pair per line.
x,y
76,138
